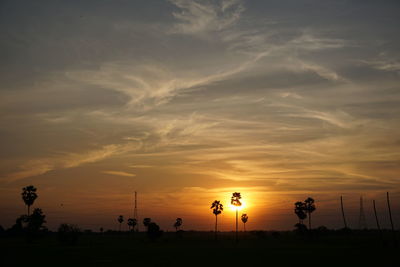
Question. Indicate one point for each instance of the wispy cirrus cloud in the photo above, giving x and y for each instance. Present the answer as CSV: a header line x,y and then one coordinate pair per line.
x,y
39,166
120,173
202,17
389,65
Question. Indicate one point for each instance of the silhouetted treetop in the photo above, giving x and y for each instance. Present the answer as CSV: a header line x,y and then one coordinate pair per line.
x,y
244,218
235,199
217,207
29,196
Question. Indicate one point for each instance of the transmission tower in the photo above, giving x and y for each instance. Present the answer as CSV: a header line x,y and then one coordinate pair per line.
x,y
362,223
135,213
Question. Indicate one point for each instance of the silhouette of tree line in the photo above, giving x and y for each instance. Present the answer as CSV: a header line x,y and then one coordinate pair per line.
x,y
32,224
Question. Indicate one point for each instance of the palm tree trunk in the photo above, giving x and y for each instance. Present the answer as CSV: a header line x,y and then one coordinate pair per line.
x,y
244,226
309,220
236,224
216,226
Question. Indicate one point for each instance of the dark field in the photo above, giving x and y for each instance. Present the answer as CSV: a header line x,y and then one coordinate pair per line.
x,y
364,248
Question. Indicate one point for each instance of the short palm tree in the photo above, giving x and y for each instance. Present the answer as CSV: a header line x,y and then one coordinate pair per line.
x,y
178,223
217,208
131,223
244,218
235,201
309,207
29,195
120,220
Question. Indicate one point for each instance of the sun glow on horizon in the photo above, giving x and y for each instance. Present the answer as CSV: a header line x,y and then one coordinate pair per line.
x,y
239,208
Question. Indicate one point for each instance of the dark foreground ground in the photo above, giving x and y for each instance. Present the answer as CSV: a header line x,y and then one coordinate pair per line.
x,y
200,249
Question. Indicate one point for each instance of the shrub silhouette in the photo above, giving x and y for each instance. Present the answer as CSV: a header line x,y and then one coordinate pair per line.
x,y
300,228
68,234
36,221
19,226
146,222
153,231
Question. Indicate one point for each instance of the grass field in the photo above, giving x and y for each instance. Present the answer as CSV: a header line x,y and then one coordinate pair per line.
x,y
201,249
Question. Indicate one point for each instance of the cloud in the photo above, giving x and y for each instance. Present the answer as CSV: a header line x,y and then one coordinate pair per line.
x,y
35,167
141,166
119,173
308,41
337,118
152,85
383,65
201,17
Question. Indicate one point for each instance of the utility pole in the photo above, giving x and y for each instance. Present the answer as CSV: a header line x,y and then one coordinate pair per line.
x,y
344,218
362,223
391,220
135,214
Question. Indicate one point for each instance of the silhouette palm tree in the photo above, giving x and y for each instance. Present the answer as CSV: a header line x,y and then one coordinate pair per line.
x,y
217,209
131,223
178,223
299,210
244,218
235,201
309,207
29,195
120,220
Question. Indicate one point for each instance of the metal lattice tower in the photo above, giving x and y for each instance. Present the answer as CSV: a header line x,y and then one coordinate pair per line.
x,y
135,213
362,223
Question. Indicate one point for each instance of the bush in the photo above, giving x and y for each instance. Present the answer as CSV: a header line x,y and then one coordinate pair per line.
x,y
68,234
153,231
300,229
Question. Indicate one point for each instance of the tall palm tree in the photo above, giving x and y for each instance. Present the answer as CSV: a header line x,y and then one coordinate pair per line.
x,y
120,220
235,201
131,223
244,218
217,209
29,195
299,210
178,223
309,207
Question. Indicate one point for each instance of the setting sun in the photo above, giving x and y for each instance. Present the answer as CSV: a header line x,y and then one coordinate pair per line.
x,y
234,208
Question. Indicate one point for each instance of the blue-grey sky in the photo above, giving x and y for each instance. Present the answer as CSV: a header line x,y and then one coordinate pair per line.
x,y
186,101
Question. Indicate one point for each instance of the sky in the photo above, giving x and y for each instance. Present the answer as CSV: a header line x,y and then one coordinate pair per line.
x,y
186,102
